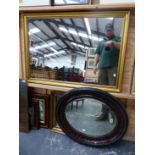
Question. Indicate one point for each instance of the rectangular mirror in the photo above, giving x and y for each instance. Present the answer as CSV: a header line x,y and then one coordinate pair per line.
x,y
76,49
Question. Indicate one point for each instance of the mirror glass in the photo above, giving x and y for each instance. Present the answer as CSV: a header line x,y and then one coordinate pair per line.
x,y
91,117
41,103
42,110
83,50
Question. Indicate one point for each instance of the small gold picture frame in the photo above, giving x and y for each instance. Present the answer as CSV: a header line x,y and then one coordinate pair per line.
x,y
90,63
55,126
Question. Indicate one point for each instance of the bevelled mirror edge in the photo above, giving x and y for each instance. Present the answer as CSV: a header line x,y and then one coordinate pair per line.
x,y
117,87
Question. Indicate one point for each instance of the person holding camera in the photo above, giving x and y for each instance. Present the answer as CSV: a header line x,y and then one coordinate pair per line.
x,y
106,61
107,56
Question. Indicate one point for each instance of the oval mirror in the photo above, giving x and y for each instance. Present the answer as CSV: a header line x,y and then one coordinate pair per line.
x,y
91,116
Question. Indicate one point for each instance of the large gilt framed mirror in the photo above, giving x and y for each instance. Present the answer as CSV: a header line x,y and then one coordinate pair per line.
x,y
76,49
92,117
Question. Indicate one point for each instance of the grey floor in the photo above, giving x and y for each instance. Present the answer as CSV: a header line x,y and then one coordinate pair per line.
x,y
88,113
46,142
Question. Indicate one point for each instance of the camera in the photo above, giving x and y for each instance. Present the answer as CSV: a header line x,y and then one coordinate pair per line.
x,y
107,48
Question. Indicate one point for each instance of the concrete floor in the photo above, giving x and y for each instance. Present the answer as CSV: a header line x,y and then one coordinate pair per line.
x,y
46,142
88,112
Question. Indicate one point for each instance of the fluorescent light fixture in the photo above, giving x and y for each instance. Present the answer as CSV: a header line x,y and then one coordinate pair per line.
x,y
83,35
34,30
54,54
81,46
53,50
51,43
110,18
37,47
78,45
87,25
63,29
32,49
74,44
40,47
72,31
45,45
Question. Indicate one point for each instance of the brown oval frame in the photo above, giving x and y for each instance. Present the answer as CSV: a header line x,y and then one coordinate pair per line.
x,y
114,136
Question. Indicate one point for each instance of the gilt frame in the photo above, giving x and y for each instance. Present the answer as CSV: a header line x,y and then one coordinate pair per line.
x,y
117,87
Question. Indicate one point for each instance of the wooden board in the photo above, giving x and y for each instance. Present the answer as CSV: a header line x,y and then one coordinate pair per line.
x,y
105,7
130,107
23,107
130,56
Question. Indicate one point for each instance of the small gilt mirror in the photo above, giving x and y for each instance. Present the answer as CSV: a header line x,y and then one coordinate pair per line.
x,y
76,49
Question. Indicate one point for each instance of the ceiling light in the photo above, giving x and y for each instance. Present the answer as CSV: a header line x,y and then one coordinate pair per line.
x,y
110,18
51,43
63,29
87,25
83,35
78,45
72,31
32,49
53,49
54,54
74,44
34,30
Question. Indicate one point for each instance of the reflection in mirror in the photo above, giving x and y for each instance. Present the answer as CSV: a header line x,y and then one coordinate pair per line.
x,y
83,50
42,110
41,103
72,2
91,117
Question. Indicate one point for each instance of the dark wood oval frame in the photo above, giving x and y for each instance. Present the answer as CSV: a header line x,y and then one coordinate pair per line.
x,y
114,136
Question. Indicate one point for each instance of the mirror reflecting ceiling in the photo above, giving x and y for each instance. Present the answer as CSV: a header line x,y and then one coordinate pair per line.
x,y
65,48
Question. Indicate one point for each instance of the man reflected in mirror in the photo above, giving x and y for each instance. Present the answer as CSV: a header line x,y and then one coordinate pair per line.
x,y
106,61
107,56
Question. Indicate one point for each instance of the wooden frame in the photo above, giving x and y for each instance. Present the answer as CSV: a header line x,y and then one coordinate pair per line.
x,y
34,114
117,87
53,3
44,100
115,105
55,127
90,63
91,53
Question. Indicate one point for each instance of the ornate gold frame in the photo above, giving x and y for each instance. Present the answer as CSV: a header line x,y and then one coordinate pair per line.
x,y
117,88
54,126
